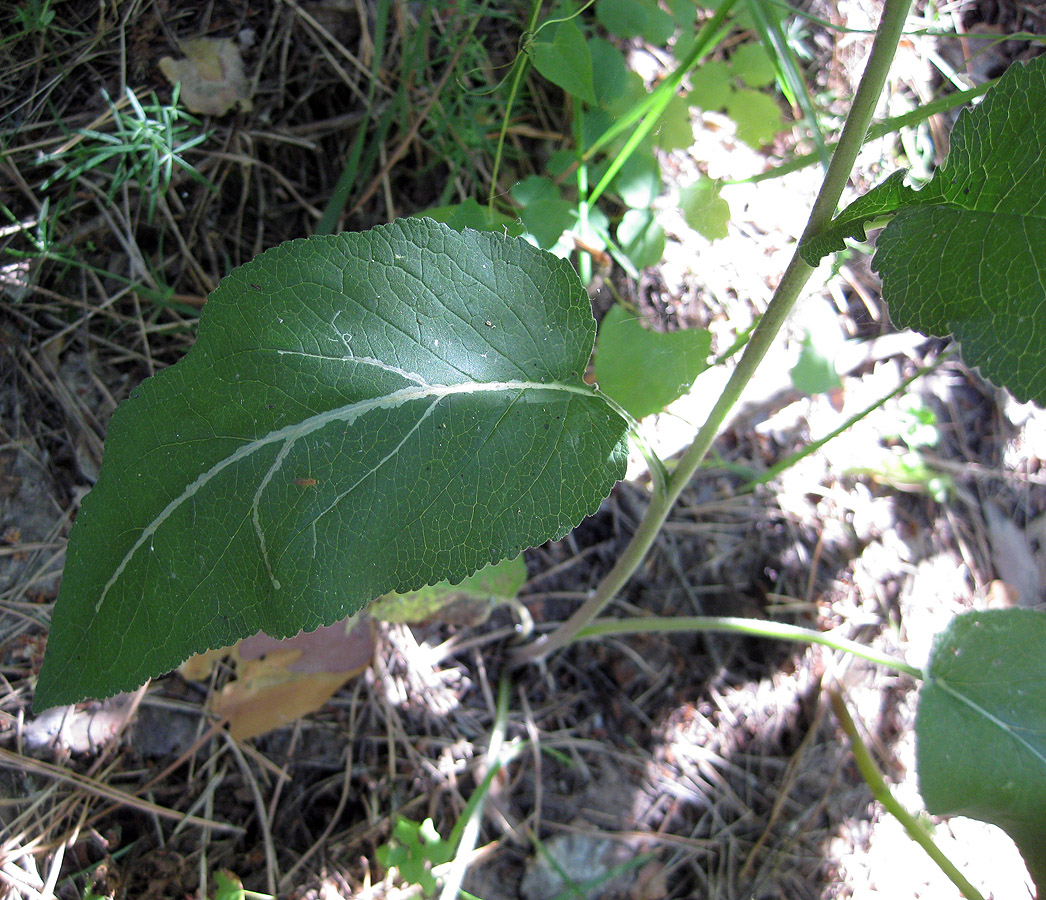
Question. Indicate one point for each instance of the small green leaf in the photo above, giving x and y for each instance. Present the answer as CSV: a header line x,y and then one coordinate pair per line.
x,y
757,116
753,65
814,373
645,370
228,886
546,220
534,189
704,210
641,238
636,18
674,130
546,214
469,214
710,86
471,599
361,413
638,181
566,61
610,71
980,728
635,92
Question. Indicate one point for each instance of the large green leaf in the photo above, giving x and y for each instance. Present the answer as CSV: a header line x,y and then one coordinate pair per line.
x,y
966,255
981,726
361,413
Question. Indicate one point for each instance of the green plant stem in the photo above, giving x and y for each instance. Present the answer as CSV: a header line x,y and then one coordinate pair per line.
x,y
752,627
465,833
350,171
583,204
878,130
917,831
789,77
519,67
654,105
814,446
792,282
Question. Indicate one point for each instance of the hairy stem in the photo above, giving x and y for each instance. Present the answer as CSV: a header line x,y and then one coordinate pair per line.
x,y
788,291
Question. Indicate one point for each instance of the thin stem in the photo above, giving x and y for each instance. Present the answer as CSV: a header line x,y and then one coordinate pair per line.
x,y
795,277
347,179
465,833
660,96
752,627
654,105
519,67
917,831
789,461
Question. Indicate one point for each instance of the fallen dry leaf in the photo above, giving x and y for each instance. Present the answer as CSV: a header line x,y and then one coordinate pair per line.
x,y
280,681
211,76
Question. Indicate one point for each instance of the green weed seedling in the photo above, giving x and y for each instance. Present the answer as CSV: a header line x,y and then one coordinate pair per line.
x,y
146,146
413,850
368,413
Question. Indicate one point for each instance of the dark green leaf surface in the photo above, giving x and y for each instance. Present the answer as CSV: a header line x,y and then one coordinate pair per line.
x,y
882,200
981,726
966,255
361,413
645,370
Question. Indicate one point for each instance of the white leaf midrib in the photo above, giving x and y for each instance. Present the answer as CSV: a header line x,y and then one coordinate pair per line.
x,y
289,434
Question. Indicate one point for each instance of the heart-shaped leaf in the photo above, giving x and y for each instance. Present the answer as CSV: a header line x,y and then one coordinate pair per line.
x,y
566,61
362,413
645,370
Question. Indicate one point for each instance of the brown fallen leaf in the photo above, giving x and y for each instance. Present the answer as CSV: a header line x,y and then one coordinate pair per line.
x,y
211,76
280,681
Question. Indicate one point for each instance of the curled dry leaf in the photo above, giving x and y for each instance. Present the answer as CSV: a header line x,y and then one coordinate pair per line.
x,y
211,76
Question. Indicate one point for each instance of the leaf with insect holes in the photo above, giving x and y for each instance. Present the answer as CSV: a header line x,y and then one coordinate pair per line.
x,y
966,254
565,60
980,728
361,413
